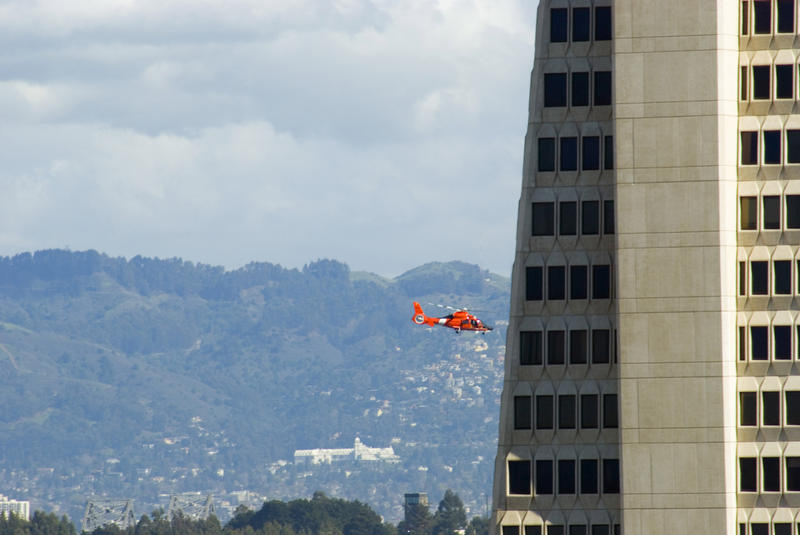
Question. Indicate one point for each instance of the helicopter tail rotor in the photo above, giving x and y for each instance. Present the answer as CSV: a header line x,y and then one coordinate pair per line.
x,y
419,316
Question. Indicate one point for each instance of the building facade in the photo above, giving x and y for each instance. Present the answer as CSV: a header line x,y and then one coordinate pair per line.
x,y
653,360
21,509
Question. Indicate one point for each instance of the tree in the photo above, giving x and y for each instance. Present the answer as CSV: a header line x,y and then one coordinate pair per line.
x,y
40,524
418,521
12,524
450,516
479,525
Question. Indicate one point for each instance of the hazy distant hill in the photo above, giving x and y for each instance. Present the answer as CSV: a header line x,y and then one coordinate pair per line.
x,y
131,378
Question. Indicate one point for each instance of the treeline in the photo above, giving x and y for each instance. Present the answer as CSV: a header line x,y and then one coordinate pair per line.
x,y
41,523
61,271
70,272
321,515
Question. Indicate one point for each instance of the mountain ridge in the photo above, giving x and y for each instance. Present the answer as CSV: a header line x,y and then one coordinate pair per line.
x,y
184,371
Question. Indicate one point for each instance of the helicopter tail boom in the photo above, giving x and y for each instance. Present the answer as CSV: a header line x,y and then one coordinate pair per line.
x,y
420,318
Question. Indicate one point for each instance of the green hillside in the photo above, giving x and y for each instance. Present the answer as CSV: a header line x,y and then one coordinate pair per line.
x,y
140,377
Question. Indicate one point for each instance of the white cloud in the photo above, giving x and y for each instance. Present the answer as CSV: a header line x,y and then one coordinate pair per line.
x,y
381,133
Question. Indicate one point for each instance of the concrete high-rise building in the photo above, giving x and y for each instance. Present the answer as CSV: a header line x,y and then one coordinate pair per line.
x,y
22,509
652,378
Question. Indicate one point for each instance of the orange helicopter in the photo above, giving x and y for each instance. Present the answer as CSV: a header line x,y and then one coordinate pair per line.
x,y
460,320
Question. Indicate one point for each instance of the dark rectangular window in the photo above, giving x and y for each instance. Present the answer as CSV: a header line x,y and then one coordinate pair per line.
x,y
758,343
792,407
742,278
602,23
544,412
555,529
759,528
533,530
608,217
762,16
566,412
577,529
793,146
771,408
783,277
566,476
530,348
601,282
748,417
590,157
743,79
749,148
793,474
544,477
588,411
580,24
772,211
577,347
519,477
558,25
758,278
610,476
555,347
510,530
742,344
542,213
608,152
568,157
610,417
578,282
745,18
589,476
793,211
748,213
782,342
772,147
600,529
556,282
785,17
761,82
533,283
580,89
555,90
601,339
783,528
590,217
783,81
602,88
747,474
771,470
522,412
568,218
547,154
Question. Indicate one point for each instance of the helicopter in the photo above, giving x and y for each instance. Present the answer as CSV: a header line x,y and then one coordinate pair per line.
x,y
460,320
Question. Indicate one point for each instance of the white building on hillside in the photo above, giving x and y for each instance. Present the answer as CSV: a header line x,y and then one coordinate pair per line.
x,y
359,452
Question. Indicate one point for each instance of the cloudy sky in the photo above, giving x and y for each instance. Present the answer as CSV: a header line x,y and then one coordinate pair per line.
x,y
382,133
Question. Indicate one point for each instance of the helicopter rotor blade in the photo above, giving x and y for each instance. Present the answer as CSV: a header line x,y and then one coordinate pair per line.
x,y
454,309
445,306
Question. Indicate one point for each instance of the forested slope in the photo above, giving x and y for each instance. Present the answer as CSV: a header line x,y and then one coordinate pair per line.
x,y
134,377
